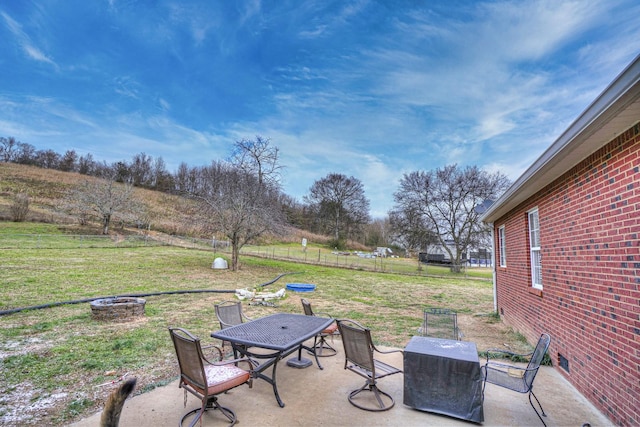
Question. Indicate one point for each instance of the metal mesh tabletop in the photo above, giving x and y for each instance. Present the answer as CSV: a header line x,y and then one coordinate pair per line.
x,y
279,332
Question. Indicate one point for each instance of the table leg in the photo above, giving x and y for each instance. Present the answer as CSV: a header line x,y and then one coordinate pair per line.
x,y
273,360
275,388
315,351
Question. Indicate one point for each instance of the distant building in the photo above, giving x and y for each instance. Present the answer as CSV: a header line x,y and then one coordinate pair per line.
x,y
474,257
382,252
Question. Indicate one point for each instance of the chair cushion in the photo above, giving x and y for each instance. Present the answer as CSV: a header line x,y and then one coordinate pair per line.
x,y
331,329
224,377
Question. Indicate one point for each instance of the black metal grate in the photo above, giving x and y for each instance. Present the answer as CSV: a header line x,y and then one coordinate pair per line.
x,y
564,362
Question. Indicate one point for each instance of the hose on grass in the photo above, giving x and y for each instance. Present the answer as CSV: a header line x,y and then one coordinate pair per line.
x,y
143,294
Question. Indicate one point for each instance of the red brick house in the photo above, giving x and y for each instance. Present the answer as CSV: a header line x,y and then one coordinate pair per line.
x,y
567,249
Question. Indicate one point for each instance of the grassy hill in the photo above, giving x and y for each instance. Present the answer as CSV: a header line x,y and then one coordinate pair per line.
x,y
168,213
46,188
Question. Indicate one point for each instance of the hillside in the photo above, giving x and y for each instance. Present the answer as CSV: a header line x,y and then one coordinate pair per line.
x,y
46,187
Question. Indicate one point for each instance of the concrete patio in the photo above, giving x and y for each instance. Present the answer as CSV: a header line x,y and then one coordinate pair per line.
x,y
319,397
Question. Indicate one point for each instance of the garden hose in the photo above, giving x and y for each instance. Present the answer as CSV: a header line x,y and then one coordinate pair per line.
x,y
144,294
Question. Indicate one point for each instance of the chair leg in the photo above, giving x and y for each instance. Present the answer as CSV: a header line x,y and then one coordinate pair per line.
x,y
323,345
212,403
197,411
483,373
534,408
377,393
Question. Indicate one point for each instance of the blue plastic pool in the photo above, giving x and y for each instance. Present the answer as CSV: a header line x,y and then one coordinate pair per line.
x,y
301,287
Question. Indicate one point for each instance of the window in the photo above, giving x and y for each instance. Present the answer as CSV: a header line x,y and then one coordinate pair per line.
x,y
534,247
502,247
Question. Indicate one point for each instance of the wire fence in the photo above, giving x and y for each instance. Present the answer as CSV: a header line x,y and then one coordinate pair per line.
x,y
307,255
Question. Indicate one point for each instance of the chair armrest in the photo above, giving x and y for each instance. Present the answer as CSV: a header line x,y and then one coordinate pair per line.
x,y
210,346
510,370
386,351
235,361
494,365
323,314
224,324
506,353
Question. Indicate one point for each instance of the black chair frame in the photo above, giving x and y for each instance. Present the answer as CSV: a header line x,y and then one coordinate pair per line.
x,y
359,351
440,323
322,347
517,378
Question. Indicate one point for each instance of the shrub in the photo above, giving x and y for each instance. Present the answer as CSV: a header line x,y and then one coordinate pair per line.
x,y
20,207
339,244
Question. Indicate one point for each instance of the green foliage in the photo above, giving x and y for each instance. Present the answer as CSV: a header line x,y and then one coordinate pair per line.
x,y
494,316
339,244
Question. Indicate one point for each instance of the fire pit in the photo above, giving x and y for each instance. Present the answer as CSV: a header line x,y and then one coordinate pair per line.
x,y
118,309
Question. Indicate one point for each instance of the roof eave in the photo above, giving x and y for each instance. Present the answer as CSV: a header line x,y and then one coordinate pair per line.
x,y
614,111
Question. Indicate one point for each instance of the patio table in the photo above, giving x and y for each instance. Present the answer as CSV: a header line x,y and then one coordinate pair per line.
x,y
443,376
277,335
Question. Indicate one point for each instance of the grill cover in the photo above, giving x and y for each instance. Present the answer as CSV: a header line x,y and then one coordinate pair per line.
x,y
443,376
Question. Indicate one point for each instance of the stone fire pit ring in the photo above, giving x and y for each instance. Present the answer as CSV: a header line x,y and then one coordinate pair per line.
x,y
118,309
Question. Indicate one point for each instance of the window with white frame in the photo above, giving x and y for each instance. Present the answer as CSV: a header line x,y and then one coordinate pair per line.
x,y
502,247
534,248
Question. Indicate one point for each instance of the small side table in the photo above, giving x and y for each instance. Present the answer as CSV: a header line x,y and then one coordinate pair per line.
x,y
443,376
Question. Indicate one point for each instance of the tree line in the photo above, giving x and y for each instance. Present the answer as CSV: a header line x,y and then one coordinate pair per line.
x,y
242,197
142,171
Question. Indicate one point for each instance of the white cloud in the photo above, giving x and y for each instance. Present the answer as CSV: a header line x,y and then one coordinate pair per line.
x,y
25,42
346,90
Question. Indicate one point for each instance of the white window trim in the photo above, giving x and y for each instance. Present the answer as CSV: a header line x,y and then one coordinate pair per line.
x,y
535,254
502,246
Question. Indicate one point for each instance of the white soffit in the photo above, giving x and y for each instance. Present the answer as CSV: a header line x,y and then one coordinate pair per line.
x,y
613,112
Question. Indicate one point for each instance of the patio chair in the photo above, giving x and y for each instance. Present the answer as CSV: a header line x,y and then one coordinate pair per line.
x,y
514,377
359,351
205,379
229,313
440,323
322,346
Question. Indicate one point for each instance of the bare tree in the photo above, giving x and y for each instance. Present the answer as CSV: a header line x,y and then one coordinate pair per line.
x,y
445,201
184,179
141,170
236,204
47,159
259,158
68,163
102,198
8,149
411,230
377,233
162,180
339,205
26,154
86,164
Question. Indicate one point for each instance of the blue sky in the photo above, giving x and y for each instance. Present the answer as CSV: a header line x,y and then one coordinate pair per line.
x,y
370,89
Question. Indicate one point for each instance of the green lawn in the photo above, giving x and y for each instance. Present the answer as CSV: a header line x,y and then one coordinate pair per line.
x,y
45,352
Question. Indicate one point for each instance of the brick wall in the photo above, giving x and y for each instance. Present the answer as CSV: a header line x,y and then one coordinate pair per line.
x,y
590,304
